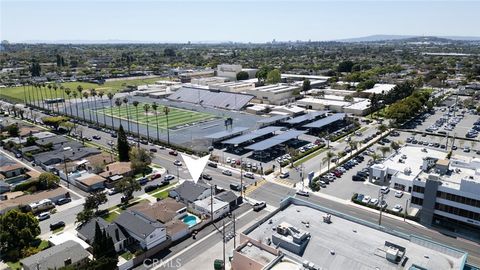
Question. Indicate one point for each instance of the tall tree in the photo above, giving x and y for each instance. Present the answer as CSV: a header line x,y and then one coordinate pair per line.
x,y
166,111
146,107
110,98
101,94
274,76
93,93
135,104
328,158
242,75
127,186
49,95
68,92
122,145
306,86
85,96
106,257
17,231
55,88
384,150
75,95
94,200
118,103
125,101
155,108
80,94
140,160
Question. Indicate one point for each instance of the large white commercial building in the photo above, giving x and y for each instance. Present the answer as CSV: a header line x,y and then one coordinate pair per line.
x,y
335,103
231,71
447,191
380,88
277,94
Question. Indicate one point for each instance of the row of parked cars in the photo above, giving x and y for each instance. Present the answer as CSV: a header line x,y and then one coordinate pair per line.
x,y
339,171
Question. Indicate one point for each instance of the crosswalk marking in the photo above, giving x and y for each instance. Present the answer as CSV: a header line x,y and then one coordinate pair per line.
x,y
252,187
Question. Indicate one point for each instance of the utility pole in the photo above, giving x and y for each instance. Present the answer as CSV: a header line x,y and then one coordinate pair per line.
x,y
223,235
406,212
211,203
66,170
234,233
381,209
241,177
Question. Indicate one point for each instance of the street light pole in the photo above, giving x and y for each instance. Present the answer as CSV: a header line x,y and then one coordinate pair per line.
x,y
406,212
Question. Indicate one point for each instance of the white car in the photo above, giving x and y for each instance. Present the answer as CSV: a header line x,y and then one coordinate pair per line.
x,y
228,160
43,216
233,161
177,163
366,199
398,193
227,172
397,208
384,189
249,175
303,193
373,201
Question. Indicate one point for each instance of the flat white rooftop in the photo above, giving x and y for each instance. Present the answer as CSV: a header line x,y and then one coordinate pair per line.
x,y
356,244
379,88
413,161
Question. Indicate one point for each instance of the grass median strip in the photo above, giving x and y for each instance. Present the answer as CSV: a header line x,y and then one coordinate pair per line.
x,y
308,157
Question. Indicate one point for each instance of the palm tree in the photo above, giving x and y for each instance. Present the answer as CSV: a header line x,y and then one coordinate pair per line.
x,y
382,128
118,103
85,95
353,146
101,94
62,89
146,107
375,157
93,94
155,107
384,150
125,100
166,110
49,105
80,91
75,95
55,87
110,97
328,158
40,96
68,92
135,104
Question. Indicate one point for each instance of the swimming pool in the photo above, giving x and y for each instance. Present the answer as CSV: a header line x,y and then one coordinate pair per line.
x,y
190,220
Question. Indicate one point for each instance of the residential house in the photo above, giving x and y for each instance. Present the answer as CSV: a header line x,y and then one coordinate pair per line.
x,y
116,171
206,205
51,140
4,187
147,231
48,159
168,212
86,232
231,198
90,182
69,253
189,191
12,170
21,200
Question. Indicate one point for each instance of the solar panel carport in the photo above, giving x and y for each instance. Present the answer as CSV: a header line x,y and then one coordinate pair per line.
x,y
326,121
305,117
226,133
272,119
276,140
252,135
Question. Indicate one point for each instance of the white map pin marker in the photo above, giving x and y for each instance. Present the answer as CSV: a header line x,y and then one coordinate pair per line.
x,y
195,166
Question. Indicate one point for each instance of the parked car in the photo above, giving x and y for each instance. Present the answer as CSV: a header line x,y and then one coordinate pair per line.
x,y
207,176
357,178
150,188
62,201
259,206
177,163
397,208
168,177
153,150
384,189
43,216
227,172
398,193
57,225
373,201
249,175
213,164
237,187
366,199
143,181
284,175
155,176
96,137
173,153
303,193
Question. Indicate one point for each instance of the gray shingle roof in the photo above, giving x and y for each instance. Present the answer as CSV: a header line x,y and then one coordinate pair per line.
x,y
188,191
54,257
53,140
87,230
226,196
138,223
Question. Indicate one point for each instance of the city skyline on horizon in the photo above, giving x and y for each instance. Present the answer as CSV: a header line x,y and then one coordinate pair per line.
x,y
232,21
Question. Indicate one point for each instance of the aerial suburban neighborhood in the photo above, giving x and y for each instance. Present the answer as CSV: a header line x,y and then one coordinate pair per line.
x,y
313,151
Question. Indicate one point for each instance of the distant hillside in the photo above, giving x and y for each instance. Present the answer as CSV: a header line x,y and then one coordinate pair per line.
x,y
409,38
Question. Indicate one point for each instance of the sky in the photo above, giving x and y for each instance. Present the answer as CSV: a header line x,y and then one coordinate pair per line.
x,y
240,21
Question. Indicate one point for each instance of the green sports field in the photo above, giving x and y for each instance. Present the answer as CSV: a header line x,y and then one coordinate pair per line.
x,y
176,116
